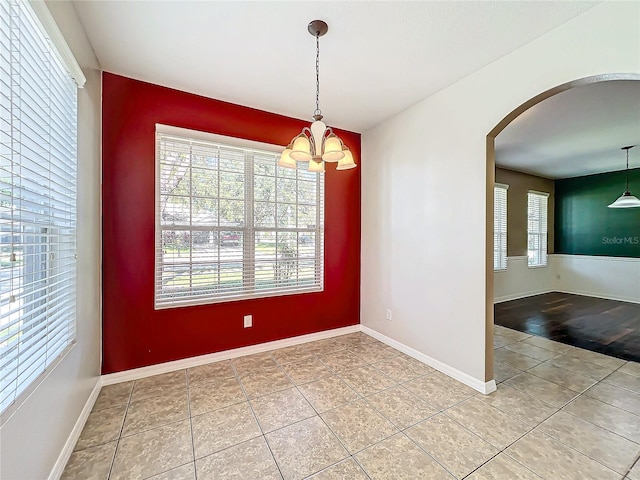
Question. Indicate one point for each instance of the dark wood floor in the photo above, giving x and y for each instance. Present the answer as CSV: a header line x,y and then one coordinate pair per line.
x,y
604,326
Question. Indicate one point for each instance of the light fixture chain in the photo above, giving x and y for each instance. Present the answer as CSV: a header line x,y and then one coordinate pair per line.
x,y
627,188
318,111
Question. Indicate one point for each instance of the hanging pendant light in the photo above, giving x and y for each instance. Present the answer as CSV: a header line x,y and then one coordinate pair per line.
x,y
317,144
626,200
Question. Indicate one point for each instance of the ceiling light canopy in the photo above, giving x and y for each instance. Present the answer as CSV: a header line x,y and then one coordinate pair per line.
x,y
626,200
317,145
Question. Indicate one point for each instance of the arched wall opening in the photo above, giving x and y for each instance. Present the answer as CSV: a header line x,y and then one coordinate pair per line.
x,y
490,180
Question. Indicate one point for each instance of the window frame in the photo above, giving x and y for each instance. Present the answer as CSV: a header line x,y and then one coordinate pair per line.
x,y
46,230
248,229
502,254
542,230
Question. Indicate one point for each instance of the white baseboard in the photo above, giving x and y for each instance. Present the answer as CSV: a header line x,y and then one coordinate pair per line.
x,y
482,387
598,295
166,367
67,450
517,296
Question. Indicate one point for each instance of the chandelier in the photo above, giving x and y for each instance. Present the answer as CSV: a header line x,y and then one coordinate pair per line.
x,y
318,144
626,200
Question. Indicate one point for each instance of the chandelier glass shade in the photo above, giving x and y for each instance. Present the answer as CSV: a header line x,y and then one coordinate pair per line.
x,y
626,200
317,144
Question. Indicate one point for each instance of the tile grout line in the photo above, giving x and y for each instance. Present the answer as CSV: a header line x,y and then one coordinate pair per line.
x,y
115,452
193,442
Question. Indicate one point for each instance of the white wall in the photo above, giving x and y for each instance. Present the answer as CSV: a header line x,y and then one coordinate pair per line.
x,y
519,281
424,181
34,436
603,277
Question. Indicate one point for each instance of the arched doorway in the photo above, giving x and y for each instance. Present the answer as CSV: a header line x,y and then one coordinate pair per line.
x,y
490,180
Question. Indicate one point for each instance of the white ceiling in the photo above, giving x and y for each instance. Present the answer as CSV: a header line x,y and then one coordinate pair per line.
x,y
377,59
577,132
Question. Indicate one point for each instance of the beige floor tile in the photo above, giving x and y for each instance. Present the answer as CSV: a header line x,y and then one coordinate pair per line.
x,y
553,460
548,392
631,368
374,352
634,474
269,380
209,373
215,394
346,470
509,333
152,452
356,338
101,427
293,354
514,359
571,380
306,371
91,463
618,397
326,346
366,380
547,344
155,411
249,460
253,364
399,458
439,390
113,396
223,428
597,358
452,445
603,446
358,425
503,467
489,423
343,360
519,405
500,341
606,416
573,364
280,409
503,372
305,448
624,380
328,393
531,351
402,368
158,385
184,472
401,407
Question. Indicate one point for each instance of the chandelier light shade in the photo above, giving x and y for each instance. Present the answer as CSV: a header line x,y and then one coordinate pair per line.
x,y
317,144
626,200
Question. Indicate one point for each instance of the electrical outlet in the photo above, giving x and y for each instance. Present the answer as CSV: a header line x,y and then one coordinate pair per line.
x,y
248,321
558,276
388,314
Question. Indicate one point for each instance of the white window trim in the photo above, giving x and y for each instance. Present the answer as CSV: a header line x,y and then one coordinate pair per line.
x,y
170,130
506,258
546,263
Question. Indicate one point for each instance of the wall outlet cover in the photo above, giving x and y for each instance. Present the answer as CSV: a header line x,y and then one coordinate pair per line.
x,y
248,321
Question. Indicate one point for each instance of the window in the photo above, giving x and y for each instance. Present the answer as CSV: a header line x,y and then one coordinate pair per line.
x,y
37,201
537,228
231,224
500,226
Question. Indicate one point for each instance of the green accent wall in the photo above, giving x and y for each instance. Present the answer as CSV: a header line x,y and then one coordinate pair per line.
x,y
584,224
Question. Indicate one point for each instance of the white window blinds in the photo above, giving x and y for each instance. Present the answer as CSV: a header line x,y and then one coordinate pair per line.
x,y
37,201
537,228
231,224
500,226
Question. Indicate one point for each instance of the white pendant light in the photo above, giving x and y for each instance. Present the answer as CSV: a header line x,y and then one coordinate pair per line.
x,y
626,200
317,144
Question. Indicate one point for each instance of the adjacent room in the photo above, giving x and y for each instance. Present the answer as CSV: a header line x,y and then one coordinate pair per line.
x,y
319,240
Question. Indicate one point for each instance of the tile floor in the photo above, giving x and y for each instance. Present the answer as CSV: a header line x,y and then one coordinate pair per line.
x,y
353,408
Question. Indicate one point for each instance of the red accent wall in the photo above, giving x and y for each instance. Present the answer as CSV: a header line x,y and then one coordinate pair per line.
x,y
134,334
